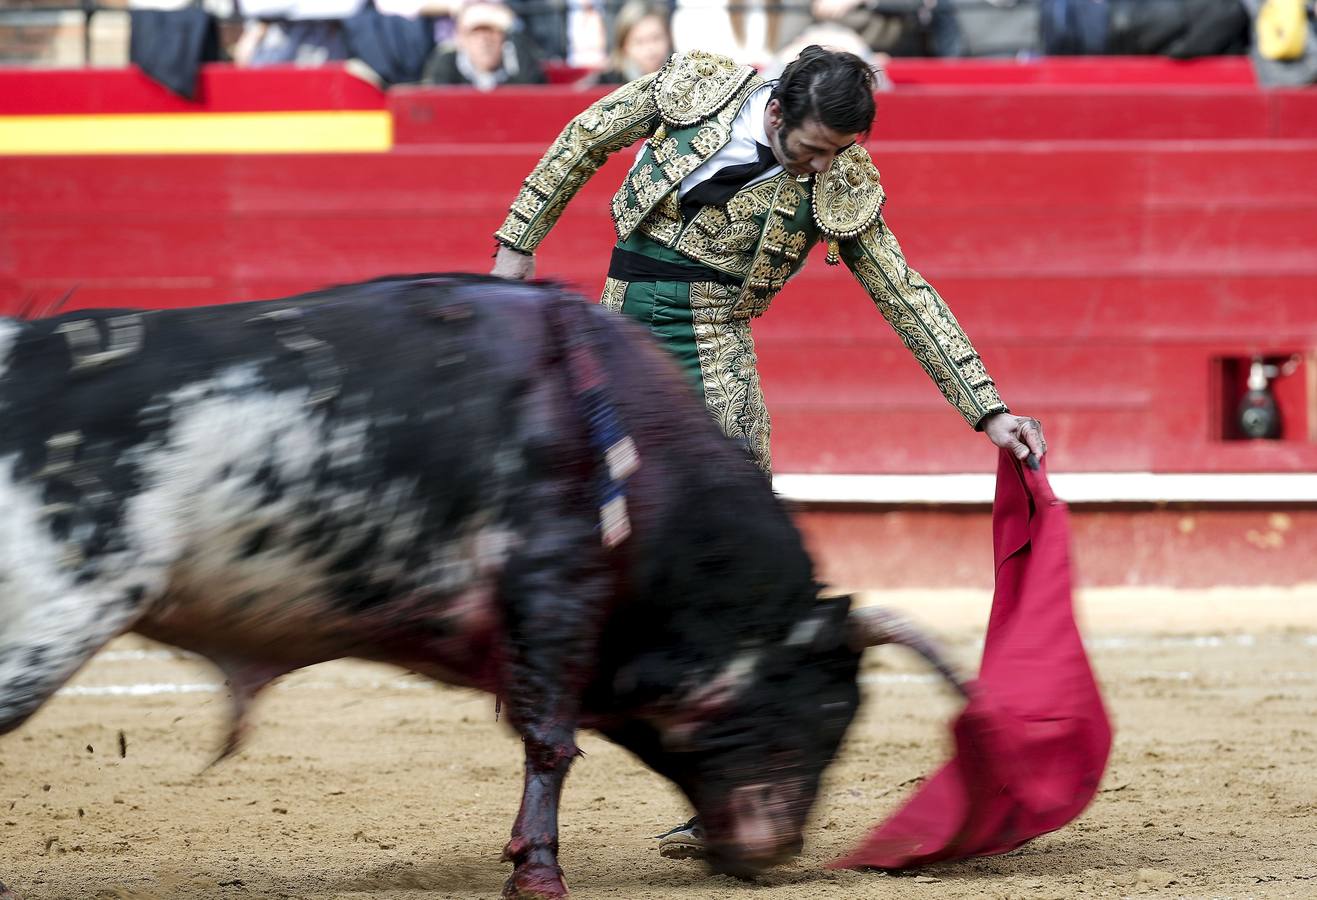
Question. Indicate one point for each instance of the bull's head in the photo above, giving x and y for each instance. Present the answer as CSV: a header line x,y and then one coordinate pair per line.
x,y
749,746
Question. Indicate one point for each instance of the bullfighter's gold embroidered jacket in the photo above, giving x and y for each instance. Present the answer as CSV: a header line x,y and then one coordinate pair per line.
x,y
763,233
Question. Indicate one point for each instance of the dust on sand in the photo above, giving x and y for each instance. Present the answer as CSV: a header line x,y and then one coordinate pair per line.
x,y
364,782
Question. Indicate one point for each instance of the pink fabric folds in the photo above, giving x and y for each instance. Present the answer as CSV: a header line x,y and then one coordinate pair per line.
x,y
1033,740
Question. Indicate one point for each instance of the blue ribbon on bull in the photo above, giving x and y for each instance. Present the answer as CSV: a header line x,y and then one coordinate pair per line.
x,y
608,438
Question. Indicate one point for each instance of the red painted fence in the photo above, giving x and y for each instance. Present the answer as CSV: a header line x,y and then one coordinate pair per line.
x,y
1114,251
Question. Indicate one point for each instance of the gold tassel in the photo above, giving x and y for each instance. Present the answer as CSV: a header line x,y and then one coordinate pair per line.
x,y
834,252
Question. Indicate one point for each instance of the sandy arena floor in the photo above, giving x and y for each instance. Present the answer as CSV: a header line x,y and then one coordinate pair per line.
x,y
363,782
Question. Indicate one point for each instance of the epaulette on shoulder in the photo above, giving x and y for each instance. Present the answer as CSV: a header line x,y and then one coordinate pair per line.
x,y
849,197
695,85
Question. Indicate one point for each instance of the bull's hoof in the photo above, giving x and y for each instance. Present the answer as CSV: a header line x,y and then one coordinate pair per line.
x,y
7,894
532,881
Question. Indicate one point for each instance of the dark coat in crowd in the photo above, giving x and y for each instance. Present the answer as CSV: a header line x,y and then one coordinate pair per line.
x,y
608,76
521,65
1181,29
545,22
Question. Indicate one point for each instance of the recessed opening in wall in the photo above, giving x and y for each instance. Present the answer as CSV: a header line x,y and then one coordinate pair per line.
x,y
1264,397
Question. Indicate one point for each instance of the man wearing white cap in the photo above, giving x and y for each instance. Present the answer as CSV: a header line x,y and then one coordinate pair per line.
x,y
483,54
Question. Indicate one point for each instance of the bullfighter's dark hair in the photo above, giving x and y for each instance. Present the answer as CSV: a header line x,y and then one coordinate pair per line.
x,y
832,86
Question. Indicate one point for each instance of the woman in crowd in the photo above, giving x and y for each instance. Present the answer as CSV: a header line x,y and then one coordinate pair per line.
x,y
642,43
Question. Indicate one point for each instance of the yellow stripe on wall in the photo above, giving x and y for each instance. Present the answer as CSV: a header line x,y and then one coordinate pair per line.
x,y
339,131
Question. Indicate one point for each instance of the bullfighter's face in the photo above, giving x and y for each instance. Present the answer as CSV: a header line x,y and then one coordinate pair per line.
x,y
807,149
749,750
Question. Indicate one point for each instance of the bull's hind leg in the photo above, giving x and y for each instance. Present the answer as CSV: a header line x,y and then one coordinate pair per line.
x,y
553,592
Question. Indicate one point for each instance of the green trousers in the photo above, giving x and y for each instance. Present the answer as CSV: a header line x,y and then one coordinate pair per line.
x,y
700,324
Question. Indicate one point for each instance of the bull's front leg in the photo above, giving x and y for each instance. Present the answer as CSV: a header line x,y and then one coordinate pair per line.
x,y
554,592
533,849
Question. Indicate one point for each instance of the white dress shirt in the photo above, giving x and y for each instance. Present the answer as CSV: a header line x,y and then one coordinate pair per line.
x,y
747,131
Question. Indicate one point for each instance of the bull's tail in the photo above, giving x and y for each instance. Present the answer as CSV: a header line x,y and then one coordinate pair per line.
x,y
574,325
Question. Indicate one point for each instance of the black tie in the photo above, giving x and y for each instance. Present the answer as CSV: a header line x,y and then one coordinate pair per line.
x,y
718,189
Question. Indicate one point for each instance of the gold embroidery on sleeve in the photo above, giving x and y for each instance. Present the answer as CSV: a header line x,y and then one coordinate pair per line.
x,y
923,321
616,121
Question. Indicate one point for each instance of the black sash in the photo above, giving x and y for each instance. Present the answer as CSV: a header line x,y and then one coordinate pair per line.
x,y
627,265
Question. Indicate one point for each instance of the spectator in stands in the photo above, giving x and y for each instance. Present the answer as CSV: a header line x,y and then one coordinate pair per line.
x,y
1184,30
574,31
170,39
643,42
898,27
833,37
484,54
749,31
713,221
1284,51
1000,28
302,32
441,13
393,39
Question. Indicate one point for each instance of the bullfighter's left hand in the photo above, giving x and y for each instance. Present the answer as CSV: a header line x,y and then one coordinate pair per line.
x,y
1018,435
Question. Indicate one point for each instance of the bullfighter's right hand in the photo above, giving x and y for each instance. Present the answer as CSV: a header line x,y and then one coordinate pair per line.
x,y
508,263
1021,436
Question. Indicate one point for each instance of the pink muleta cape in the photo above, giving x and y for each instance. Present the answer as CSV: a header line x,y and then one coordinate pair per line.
x,y
1033,740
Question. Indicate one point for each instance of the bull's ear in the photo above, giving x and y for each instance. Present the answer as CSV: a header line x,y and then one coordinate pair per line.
x,y
824,628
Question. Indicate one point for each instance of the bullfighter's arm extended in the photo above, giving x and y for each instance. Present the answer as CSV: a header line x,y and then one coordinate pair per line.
x,y
923,321
606,126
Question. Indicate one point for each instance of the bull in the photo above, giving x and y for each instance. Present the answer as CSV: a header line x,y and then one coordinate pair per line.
x,y
496,485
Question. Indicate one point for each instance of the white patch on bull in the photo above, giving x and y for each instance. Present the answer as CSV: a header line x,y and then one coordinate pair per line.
x,y
803,632
209,553
9,330
492,546
49,624
206,502
728,684
234,379
708,701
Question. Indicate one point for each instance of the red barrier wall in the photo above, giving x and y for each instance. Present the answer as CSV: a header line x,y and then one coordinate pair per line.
x,y
924,113
1180,546
220,88
1104,280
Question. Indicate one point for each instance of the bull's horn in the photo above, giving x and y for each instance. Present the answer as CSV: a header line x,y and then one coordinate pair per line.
x,y
873,626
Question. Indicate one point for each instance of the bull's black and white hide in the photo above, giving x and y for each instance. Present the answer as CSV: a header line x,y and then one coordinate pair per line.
x,y
405,471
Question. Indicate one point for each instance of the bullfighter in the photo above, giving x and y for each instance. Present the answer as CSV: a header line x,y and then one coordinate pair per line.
x,y
738,177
